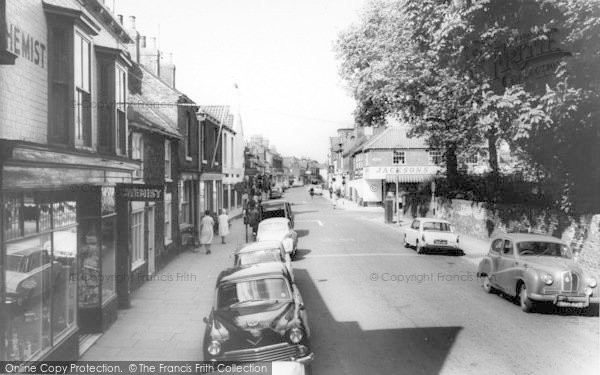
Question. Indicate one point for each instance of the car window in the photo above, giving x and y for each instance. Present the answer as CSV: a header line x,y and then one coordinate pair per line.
x,y
45,257
35,260
508,248
497,245
436,226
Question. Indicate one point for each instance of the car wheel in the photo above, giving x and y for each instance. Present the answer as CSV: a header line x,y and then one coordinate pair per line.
x,y
406,245
525,302
486,284
419,248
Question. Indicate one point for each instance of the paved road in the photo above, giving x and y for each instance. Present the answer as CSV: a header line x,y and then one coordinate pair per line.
x,y
378,308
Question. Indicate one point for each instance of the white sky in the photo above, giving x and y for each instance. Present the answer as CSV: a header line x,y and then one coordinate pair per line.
x,y
279,52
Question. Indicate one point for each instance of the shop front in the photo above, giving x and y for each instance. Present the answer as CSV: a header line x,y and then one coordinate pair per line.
x,y
57,249
211,192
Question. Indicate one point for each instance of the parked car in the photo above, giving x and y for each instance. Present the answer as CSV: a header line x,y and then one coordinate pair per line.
x,y
276,208
277,229
266,251
258,315
430,233
536,268
29,273
276,192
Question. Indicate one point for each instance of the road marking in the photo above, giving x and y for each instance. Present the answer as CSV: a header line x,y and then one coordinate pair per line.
x,y
360,255
310,221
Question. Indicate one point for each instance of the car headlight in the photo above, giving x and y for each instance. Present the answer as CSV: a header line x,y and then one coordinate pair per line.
x,y
547,279
296,335
214,348
592,282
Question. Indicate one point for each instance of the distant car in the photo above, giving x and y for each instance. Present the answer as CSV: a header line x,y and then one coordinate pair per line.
x,y
264,252
277,229
318,190
430,233
29,273
298,183
276,192
258,315
276,208
536,269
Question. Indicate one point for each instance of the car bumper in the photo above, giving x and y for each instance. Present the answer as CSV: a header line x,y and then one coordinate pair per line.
x,y
565,300
276,352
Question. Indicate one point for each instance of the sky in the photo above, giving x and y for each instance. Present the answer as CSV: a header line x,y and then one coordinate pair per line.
x,y
280,53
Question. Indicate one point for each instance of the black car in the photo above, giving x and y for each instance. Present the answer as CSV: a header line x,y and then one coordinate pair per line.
x,y
258,315
276,208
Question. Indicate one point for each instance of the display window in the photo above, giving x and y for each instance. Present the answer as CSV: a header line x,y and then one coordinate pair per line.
x,y
40,273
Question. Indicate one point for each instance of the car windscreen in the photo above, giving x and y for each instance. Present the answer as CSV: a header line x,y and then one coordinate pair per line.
x,y
252,291
436,226
259,256
275,227
542,248
14,262
273,213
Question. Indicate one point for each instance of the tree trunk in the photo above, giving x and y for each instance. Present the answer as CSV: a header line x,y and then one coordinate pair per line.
x,y
451,164
493,154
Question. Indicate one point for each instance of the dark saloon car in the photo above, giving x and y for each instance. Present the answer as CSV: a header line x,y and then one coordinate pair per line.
x,y
536,269
276,208
258,315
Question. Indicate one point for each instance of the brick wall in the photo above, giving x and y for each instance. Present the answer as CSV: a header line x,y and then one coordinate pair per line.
x,y
24,93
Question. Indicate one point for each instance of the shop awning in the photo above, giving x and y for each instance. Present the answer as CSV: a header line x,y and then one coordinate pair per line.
x,y
404,178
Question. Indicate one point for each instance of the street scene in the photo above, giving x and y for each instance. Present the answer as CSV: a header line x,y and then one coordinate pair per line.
x,y
300,187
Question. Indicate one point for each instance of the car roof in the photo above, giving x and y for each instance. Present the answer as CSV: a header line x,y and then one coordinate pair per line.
x,y
251,271
432,220
260,245
523,237
274,202
26,252
275,220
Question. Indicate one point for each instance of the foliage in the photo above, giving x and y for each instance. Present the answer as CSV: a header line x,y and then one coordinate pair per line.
x,y
436,63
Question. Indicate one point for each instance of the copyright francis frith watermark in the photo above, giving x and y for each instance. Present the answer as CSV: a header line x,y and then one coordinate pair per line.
x,y
425,277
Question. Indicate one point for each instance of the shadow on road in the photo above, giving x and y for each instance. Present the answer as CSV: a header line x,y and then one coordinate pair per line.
x,y
345,348
305,212
550,309
450,252
302,232
301,254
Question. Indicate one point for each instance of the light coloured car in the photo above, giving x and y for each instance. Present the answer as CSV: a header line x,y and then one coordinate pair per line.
x,y
536,269
278,229
265,251
431,233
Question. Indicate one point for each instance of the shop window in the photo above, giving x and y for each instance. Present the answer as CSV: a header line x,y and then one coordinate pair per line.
x,y
167,159
137,238
398,157
41,274
168,219
473,159
83,104
109,237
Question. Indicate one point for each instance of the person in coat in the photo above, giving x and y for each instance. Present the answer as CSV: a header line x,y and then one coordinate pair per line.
x,y
223,225
253,220
207,230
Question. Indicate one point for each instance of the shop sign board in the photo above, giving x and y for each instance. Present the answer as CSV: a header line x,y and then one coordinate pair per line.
x,y
140,192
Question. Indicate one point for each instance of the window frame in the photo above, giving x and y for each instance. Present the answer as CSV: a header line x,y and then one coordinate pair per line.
x,y
137,247
168,219
398,156
168,150
120,95
189,141
82,131
436,155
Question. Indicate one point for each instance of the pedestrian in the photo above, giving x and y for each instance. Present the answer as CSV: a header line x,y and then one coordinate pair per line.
x,y
312,192
330,192
223,225
207,225
253,220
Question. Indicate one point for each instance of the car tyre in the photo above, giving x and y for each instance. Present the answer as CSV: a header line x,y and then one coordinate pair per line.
x,y
524,301
486,284
406,245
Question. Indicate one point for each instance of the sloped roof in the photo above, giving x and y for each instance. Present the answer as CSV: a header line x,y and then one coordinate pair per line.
x,y
141,114
394,137
219,113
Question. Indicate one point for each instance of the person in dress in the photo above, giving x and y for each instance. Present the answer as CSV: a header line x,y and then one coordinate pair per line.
x,y
207,230
223,225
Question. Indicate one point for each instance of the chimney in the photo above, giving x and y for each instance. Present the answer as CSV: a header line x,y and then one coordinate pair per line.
x,y
132,22
120,18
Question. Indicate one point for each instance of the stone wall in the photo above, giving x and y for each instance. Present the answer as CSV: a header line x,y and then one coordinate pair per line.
x,y
483,221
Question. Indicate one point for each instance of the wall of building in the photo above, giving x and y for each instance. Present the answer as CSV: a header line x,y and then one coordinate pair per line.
x,y
24,93
376,158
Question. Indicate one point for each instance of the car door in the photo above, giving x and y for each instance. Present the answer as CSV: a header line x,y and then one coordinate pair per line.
x,y
293,234
411,233
506,267
495,254
302,309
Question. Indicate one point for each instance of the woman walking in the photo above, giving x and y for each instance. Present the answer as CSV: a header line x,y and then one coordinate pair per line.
x,y
223,225
206,231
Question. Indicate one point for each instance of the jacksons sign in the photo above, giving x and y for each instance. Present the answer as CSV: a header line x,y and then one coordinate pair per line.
x,y
384,172
530,56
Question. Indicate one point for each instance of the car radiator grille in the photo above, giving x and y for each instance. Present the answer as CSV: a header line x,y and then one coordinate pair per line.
x,y
279,352
570,282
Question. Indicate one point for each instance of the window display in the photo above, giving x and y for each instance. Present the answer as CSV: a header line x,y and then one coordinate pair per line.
x,y
109,236
40,275
90,275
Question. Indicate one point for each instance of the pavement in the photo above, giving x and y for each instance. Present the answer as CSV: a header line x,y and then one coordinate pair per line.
x,y
165,318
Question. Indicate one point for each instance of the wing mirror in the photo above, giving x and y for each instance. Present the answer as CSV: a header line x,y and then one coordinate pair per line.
x,y
301,307
205,320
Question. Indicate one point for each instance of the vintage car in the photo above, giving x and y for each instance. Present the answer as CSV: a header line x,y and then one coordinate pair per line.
x,y
29,273
536,268
430,233
258,315
265,251
277,229
276,208
276,192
